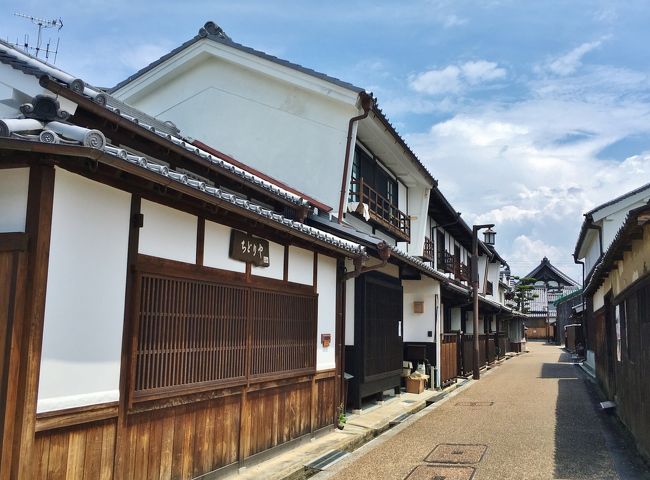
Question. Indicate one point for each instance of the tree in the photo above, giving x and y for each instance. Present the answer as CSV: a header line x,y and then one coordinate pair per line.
x,y
522,294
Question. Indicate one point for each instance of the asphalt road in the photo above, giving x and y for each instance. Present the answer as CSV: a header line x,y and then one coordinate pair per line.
x,y
534,417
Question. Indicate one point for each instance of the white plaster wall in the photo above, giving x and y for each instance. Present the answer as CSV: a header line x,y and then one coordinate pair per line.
x,y
349,305
84,306
416,325
418,206
385,237
301,266
456,323
276,263
592,244
402,197
216,247
14,184
599,296
168,233
280,129
326,288
482,262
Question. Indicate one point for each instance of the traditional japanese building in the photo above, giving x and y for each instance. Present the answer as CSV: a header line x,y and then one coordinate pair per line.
x,y
614,244
550,285
169,313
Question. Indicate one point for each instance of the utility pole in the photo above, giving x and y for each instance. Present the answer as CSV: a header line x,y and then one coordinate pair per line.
x,y
489,240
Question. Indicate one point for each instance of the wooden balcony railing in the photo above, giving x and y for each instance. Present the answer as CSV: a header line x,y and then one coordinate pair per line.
x,y
464,272
427,253
382,211
446,262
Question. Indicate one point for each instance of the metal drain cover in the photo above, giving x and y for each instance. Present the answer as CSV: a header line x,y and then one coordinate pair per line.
x,y
456,453
439,472
327,460
474,404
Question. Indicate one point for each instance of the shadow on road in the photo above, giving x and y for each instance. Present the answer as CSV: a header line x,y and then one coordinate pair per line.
x,y
581,436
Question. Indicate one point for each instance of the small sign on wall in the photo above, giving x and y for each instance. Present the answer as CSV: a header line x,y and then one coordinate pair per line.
x,y
325,339
247,248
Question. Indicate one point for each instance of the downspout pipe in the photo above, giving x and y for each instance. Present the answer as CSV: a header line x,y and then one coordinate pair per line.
x,y
366,104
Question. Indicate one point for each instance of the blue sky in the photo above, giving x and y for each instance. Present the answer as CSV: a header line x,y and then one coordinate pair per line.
x,y
529,113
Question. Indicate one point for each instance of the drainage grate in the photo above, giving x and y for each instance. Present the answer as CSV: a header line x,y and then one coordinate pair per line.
x,y
456,453
327,460
439,472
474,404
400,419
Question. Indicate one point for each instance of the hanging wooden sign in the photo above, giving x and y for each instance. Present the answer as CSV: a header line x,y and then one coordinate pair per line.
x,y
247,248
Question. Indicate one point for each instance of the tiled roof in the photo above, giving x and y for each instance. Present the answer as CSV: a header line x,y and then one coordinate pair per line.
x,y
609,257
588,221
414,158
212,31
545,263
56,132
29,65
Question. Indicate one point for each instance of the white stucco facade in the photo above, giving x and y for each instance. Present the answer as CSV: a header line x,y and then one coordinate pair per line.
x,y
84,307
418,325
275,119
326,289
167,233
14,184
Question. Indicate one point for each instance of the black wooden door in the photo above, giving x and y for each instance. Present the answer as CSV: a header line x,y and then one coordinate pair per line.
x,y
383,325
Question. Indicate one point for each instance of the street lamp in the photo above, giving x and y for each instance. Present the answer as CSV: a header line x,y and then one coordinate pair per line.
x,y
489,240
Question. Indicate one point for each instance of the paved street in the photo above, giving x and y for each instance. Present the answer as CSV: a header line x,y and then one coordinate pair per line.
x,y
534,417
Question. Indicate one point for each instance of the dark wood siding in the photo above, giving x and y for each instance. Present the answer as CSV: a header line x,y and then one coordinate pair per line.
x,y
376,358
632,385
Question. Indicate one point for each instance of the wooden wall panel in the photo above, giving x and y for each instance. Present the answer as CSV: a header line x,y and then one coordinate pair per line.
x,y
326,407
13,265
278,415
184,441
84,452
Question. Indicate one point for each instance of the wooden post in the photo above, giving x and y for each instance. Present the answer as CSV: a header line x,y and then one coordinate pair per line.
x,y
13,273
121,442
38,226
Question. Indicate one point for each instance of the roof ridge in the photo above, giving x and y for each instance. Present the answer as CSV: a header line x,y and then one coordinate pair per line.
x,y
214,32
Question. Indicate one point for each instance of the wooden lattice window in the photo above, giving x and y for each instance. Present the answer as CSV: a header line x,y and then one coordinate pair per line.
x,y
283,337
195,334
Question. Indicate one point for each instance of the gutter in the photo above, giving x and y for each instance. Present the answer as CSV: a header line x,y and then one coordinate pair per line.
x,y
366,103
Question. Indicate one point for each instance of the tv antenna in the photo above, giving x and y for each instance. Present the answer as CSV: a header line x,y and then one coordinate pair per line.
x,y
41,24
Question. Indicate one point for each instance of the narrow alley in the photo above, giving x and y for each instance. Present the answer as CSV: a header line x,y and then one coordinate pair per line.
x,y
535,418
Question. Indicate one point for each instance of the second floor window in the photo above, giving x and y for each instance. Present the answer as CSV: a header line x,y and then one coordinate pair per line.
x,y
367,168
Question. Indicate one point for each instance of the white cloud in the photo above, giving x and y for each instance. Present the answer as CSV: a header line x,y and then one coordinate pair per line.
x,y
455,78
507,213
482,71
453,20
569,62
512,165
435,82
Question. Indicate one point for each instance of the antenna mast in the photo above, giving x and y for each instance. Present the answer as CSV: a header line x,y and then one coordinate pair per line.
x,y
42,24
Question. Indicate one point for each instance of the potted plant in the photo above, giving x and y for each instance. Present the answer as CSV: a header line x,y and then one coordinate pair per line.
x,y
341,417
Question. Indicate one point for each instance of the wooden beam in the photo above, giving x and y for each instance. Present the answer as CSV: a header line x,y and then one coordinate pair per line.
x,y
38,227
121,434
14,241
